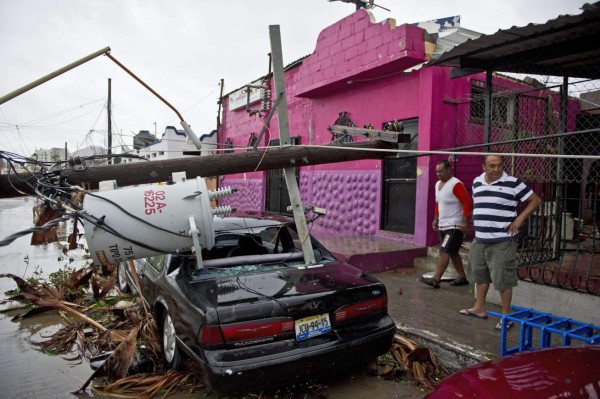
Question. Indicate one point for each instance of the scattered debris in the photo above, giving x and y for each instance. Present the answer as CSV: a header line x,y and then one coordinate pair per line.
x,y
148,385
43,214
116,365
128,340
418,360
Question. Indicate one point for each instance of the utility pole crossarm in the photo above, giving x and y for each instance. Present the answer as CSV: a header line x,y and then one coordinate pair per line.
x,y
379,135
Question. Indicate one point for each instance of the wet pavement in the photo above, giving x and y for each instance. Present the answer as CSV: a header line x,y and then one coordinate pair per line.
x,y
417,307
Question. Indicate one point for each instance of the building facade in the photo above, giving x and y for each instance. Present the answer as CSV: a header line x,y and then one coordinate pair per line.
x,y
173,144
364,73
53,154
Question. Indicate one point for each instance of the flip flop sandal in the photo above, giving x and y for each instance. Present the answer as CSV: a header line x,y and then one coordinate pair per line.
x,y
509,324
467,312
430,281
459,281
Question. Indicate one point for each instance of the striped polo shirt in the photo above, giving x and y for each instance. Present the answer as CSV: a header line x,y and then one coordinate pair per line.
x,y
495,206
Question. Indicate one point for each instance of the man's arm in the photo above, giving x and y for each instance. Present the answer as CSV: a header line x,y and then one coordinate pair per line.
x,y
533,201
460,192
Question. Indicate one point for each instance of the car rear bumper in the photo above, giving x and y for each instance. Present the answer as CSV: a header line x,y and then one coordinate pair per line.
x,y
284,368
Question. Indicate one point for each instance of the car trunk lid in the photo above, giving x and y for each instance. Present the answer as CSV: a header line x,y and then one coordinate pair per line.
x,y
294,292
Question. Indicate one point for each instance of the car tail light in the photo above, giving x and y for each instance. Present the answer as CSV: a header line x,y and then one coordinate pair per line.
x,y
257,329
360,309
210,335
253,332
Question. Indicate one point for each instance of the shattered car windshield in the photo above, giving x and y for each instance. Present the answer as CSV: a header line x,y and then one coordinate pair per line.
x,y
243,248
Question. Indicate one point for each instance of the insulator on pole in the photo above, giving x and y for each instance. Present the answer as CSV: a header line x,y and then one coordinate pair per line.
x,y
221,192
223,211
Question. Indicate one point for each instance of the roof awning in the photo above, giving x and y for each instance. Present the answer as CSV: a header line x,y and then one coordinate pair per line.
x,y
566,46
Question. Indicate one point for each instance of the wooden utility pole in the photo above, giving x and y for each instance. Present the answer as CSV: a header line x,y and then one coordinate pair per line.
x,y
108,108
289,172
52,75
15,185
220,138
220,103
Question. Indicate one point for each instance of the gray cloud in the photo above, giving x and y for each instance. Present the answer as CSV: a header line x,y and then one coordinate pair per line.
x,y
182,49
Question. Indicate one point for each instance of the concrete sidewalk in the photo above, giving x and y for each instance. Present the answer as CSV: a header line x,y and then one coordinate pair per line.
x,y
373,254
430,317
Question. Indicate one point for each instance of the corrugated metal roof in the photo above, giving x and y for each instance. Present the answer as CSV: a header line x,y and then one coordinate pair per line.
x,y
451,38
566,46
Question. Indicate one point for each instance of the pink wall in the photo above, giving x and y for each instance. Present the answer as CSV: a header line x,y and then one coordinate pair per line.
x,y
358,48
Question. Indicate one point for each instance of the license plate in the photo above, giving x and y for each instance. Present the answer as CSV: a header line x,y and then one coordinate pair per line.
x,y
312,326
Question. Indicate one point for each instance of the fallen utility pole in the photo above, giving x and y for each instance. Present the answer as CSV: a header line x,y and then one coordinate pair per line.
x,y
16,185
105,51
289,172
52,75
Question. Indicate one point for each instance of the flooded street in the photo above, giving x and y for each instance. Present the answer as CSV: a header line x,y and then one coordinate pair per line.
x,y
28,373
24,371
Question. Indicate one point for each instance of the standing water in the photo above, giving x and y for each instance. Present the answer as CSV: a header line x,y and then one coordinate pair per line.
x,y
24,371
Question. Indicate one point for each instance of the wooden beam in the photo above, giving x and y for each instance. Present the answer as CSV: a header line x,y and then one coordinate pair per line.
x,y
380,135
205,166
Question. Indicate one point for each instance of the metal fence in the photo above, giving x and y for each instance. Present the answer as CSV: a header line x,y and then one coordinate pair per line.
x,y
530,115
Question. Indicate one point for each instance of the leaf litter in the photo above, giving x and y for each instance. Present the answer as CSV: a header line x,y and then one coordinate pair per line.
x,y
97,321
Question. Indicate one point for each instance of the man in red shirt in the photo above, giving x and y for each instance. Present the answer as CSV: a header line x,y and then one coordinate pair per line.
x,y
453,206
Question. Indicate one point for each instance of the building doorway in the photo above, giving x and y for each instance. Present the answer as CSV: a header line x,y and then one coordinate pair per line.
x,y
400,186
277,196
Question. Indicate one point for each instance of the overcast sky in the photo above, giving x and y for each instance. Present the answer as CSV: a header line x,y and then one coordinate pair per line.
x,y
181,48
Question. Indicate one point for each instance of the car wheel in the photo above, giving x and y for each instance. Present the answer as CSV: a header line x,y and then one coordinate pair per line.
x,y
122,277
171,354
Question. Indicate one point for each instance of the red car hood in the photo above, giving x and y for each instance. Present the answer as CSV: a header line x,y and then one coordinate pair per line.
x,y
563,372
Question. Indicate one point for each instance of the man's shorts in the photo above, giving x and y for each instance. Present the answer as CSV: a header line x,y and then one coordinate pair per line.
x,y
494,263
450,241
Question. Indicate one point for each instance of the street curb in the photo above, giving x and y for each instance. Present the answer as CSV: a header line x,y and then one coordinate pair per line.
x,y
452,355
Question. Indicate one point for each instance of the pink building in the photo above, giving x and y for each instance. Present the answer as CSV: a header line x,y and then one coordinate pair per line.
x,y
373,73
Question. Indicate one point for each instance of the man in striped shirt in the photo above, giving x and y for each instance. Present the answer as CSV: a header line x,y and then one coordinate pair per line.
x,y
493,254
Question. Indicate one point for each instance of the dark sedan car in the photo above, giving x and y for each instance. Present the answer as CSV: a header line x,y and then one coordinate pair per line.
x,y
255,316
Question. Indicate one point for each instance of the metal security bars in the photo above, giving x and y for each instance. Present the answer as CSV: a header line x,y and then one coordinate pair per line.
x,y
557,118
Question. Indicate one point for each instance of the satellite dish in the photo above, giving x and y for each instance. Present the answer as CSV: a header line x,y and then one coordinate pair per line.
x,y
367,4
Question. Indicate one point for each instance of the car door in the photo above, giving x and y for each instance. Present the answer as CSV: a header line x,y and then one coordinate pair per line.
x,y
151,270
133,280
